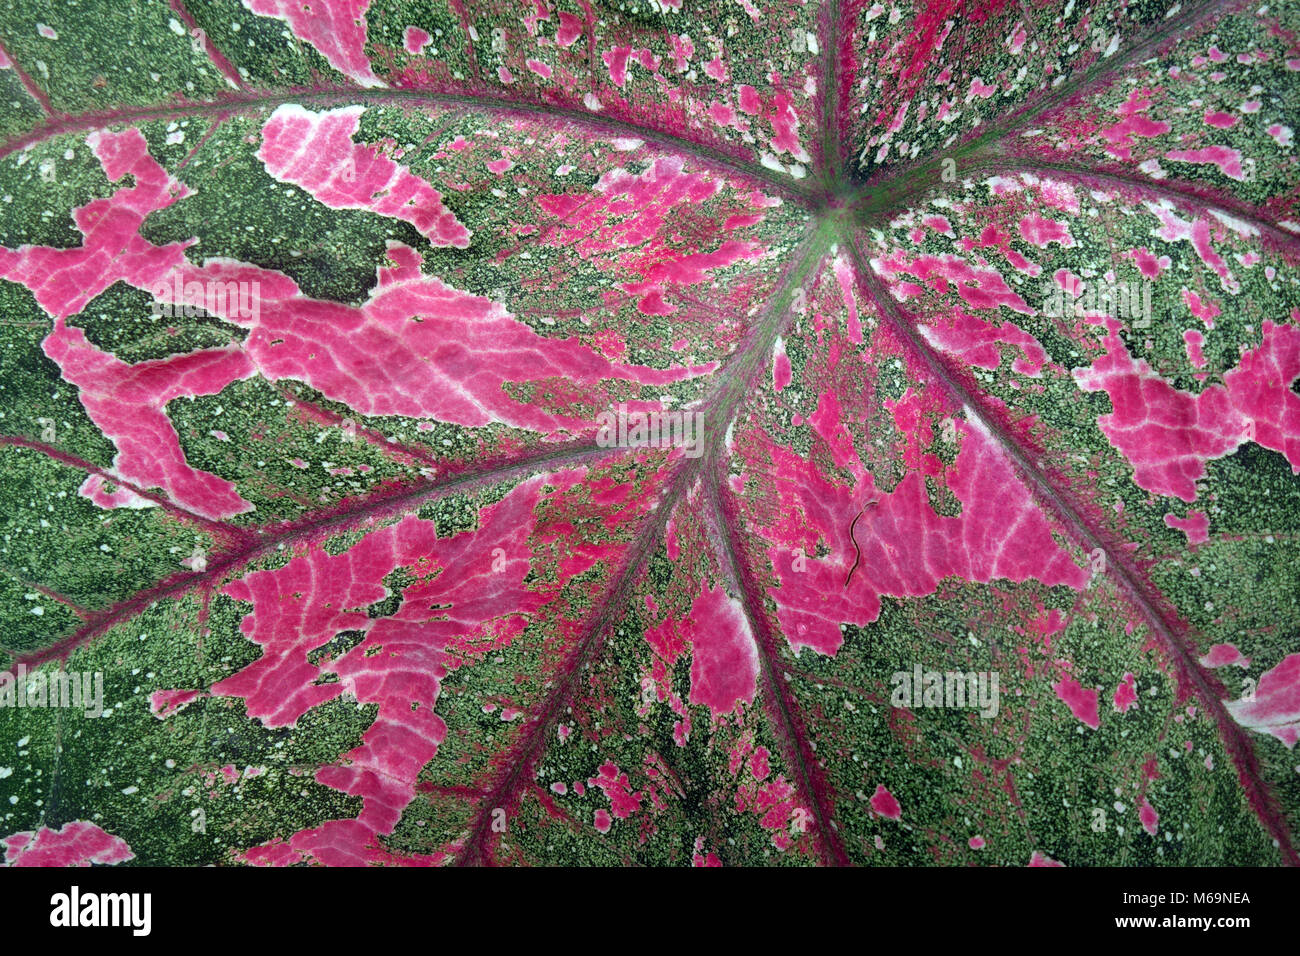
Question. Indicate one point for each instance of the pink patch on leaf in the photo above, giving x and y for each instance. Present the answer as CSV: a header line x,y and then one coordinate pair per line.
x,y
781,373
1220,119
315,151
1125,695
1196,525
399,666
724,657
1041,859
373,358
1149,818
1120,135
1149,264
629,212
1275,708
1228,160
906,548
79,843
1039,231
977,342
623,802
885,804
1168,435
128,403
1223,655
164,703
337,29
415,40
616,60
1081,701
569,30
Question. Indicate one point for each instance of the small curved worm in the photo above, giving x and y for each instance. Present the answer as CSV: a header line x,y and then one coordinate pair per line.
x,y
857,554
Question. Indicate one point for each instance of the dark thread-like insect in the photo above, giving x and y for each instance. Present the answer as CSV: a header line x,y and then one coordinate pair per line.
x,y
857,554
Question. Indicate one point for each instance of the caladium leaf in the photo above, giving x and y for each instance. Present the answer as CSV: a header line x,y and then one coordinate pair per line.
x,y
665,433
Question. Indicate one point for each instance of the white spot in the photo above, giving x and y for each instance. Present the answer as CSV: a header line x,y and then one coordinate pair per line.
x,y
1152,168
1244,229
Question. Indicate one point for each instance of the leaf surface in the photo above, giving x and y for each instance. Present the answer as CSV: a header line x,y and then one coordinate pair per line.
x,y
664,433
